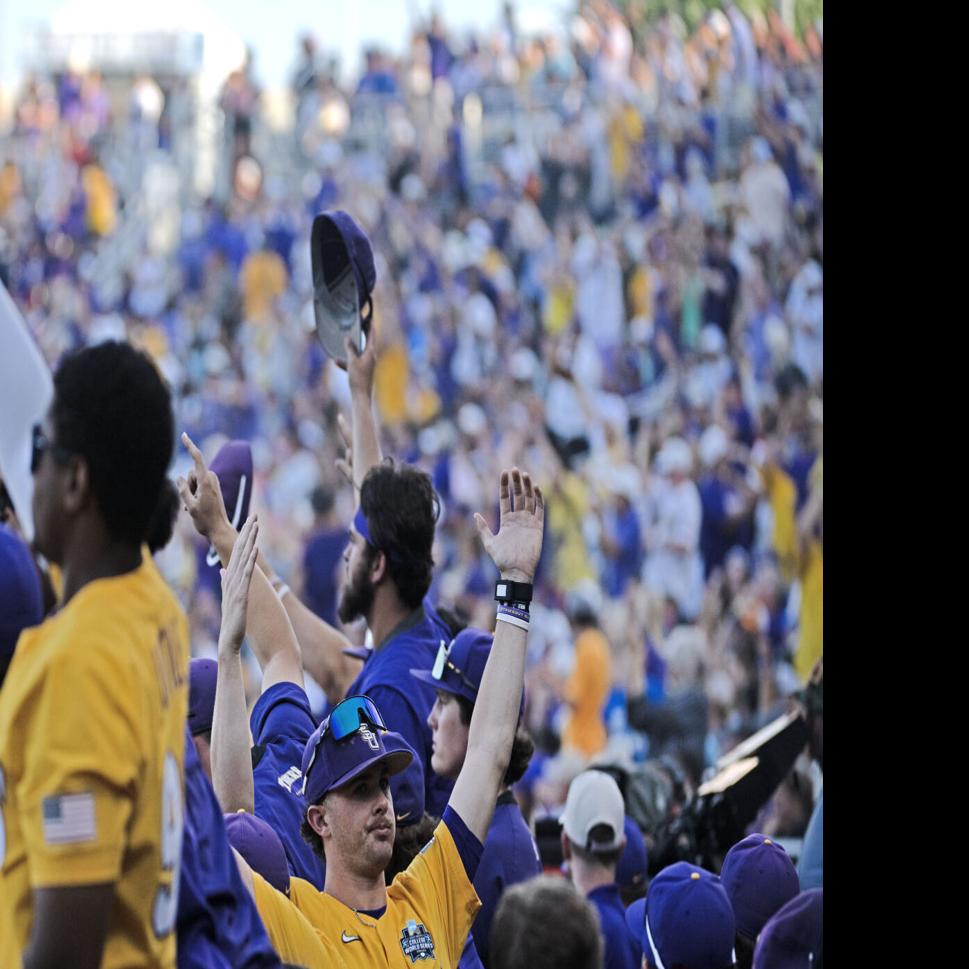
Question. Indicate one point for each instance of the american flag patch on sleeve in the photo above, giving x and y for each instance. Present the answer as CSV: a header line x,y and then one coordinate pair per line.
x,y
68,819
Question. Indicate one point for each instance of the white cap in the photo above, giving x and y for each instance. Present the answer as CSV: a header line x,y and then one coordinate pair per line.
x,y
471,419
712,340
713,445
760,150
523,364
594,799
674,456
584,596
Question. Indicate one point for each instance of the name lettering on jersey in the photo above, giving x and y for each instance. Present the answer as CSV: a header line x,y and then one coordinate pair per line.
x,y
416,941
370,737
288,779
68,819
170,674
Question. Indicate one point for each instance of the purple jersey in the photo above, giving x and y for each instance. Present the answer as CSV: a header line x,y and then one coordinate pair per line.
x,y
405,702
622,951
281,724
510,856
218,925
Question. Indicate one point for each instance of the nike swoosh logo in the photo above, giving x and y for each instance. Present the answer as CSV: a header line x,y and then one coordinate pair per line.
x,y
404,816
349,938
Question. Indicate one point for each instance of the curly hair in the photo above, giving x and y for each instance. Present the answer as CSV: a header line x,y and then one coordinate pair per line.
x,y
112,408
402,508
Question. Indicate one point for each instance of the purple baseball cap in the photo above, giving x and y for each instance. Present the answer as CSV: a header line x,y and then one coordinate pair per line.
x,y
631,870
202,674
336,227
793,938
260,846
329,763
233,467
759,878
21,599
685,918
460,669
409,790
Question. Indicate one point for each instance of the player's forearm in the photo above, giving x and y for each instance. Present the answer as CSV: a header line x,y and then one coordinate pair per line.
x,y
492,730
499,698
231,760
70,926
322,648
366,437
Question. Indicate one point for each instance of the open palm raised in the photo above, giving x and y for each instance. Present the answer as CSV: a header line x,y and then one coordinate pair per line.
x,y
516,548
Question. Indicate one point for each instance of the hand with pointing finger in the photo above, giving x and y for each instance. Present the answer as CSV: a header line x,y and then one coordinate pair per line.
x,y
201,495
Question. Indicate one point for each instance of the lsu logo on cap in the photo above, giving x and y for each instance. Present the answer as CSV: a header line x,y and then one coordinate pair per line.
x,y
370,737
416,941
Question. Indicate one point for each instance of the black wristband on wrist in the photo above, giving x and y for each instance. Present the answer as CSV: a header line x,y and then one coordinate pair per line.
x,y
508,591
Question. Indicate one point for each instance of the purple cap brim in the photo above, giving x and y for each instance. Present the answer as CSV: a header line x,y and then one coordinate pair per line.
x,y
448,686
396,760
357,652
425,676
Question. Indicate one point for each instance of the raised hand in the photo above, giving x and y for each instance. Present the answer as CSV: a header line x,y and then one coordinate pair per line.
x,y
360,366
201,494
236,579
516,548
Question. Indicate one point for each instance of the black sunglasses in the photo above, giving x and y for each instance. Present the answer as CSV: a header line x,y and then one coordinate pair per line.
x,y
40,443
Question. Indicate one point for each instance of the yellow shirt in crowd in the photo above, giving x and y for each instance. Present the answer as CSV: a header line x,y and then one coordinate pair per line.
x,y
263,278
92,721
586,692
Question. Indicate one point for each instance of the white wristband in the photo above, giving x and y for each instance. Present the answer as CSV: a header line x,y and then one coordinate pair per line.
x,y
514,620
281,591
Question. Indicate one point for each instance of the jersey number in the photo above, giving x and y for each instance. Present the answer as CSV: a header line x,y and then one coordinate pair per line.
x,y
166,898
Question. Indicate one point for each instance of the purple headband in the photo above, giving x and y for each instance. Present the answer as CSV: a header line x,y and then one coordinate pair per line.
x,y
360,524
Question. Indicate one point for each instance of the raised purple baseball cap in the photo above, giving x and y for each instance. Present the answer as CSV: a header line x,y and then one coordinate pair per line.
x,y
794,937
202,674
260,846
21,599
759,878
409,790
338,228
631,870
233,467
685,918
344,276
329,763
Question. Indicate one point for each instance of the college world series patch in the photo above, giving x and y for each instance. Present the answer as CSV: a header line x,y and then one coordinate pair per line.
x,y
416,941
